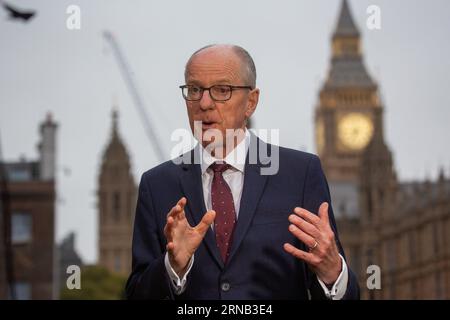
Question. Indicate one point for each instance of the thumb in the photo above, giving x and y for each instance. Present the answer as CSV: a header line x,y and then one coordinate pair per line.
x,y
323,213
206,222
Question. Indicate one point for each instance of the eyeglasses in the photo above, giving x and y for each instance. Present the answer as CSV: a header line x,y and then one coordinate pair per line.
x,y
217,92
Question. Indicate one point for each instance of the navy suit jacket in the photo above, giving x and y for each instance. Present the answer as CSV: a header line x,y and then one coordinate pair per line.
x,y
258,267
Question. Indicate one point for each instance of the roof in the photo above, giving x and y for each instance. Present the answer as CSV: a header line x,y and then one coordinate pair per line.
x,y
348,72
345,26
115,151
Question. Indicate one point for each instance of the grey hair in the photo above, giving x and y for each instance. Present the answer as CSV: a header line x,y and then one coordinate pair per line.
x,y
248,65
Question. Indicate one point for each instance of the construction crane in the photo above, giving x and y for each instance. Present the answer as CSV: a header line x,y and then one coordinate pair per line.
x,y
138,102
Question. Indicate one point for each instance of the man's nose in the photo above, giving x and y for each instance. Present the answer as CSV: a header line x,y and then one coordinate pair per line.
x,y
206,102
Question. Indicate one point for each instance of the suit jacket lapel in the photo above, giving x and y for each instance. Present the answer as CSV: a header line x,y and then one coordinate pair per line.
x,y
191,184
254,184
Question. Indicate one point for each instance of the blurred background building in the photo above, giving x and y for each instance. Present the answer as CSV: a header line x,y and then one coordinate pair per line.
x,y
116,204
67,256
28,212
404,228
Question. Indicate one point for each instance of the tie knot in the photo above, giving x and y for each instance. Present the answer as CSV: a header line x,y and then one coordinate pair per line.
x,y
219,167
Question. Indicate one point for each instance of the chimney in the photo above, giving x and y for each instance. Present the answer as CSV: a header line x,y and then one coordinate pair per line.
x,y
47,149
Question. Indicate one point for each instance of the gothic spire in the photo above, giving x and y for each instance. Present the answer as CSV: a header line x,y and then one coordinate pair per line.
x,y
115,150
115,117
347,65
345,27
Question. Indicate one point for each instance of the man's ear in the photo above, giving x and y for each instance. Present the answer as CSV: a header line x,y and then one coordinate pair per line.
x,y
253,99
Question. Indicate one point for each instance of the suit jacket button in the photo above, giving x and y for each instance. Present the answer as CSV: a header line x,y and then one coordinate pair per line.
x,y
225,286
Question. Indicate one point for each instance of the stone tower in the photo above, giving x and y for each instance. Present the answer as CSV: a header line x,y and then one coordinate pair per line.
x,y
117,201
350,142
377,197
347,103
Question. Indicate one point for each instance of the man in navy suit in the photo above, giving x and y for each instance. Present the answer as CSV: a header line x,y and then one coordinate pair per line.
x,y
217,223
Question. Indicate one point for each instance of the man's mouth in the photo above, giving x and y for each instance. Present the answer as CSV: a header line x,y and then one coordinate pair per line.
x,y
208,125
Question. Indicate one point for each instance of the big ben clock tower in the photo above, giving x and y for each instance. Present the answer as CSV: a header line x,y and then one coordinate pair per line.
x,y
351,146
346,115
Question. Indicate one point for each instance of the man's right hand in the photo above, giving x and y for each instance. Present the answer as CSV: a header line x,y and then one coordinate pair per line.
x,y
182,239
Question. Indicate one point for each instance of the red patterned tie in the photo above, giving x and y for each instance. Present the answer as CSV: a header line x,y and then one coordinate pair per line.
x,y
223,205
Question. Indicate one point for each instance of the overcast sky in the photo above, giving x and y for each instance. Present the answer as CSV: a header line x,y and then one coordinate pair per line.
x,y
46,67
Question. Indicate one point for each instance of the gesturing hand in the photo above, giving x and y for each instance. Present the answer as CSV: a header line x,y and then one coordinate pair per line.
x,y
315,231
182,239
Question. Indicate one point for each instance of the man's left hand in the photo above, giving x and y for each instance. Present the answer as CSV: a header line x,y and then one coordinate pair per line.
x,y
316,233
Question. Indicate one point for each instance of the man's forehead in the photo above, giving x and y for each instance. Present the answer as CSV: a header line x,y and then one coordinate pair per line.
x,y
216,63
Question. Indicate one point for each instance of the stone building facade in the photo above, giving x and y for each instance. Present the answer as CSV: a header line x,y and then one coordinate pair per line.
x,y
117,195
403,228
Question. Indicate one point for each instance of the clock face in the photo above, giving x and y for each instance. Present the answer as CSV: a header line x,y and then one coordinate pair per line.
x,y
355,130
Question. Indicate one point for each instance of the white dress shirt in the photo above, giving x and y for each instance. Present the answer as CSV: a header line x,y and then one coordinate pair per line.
x,y
234,176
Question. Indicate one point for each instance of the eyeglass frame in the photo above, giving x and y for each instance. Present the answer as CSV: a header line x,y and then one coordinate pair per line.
x,y
232,88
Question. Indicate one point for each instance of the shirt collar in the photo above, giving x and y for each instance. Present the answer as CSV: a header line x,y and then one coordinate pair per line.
x,y
236,158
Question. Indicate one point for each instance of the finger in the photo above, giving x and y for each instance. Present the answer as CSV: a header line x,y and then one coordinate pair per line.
x,y
174,211
178,209
308,216
168,228
323,213
300,254
302,236
182,203
305,226
206,222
